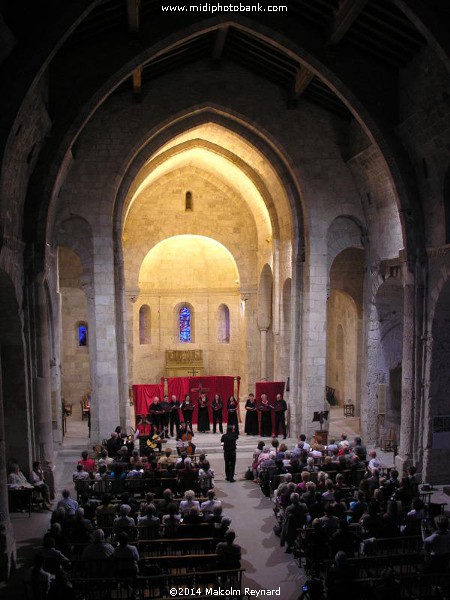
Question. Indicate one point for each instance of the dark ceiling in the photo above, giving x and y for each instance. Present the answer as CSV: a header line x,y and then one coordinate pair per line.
x,y
378,30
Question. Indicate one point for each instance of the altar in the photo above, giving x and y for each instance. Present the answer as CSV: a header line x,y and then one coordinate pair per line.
x,y
223,385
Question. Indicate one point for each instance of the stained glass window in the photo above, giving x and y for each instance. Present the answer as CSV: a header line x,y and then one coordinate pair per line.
x,y
82,335
185,324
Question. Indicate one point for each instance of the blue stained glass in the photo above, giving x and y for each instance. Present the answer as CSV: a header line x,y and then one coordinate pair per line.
x,y
82,335
185,324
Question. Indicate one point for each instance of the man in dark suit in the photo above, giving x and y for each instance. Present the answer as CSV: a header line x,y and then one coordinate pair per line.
x,y
228,441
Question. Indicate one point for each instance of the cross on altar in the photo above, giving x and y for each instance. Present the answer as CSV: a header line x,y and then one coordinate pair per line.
x,y
193,372
200,389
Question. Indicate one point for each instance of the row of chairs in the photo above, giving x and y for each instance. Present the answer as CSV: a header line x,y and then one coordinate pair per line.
x,y
139,487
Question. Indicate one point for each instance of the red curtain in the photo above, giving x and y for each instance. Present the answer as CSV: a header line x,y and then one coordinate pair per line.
x,y
271,389
179,387
143,396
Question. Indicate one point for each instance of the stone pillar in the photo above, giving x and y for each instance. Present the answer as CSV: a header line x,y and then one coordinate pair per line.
x,y
296,354
41,374
7,541
405,456
314,334
263,333
122,349
101,296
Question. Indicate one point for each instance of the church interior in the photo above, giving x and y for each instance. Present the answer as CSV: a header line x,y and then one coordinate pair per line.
x,y
260,194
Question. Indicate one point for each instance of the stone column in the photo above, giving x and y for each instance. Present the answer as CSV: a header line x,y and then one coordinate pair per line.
x,y
122,350
405,457
7,541
41,373
101,296
314,342
296,354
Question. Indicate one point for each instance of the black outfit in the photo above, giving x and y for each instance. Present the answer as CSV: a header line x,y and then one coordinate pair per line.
x,y
232,415
187,409
113,446
280,409
229,453
251,418
266,420
164,417
174,417
154,415
203,415
217,406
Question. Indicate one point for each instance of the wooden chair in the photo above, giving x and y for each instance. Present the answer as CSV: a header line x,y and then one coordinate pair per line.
x,y
85,408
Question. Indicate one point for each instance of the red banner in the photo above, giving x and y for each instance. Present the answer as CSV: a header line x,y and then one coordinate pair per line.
x,y
211,385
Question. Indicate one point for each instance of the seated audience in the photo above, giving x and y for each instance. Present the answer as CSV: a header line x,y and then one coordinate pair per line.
x,y
99,549
37,481
68,504
123,554
210,503
88,463
228,552
149,524
188,502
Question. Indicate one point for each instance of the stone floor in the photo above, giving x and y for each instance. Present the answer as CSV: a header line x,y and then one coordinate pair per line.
x,y
267,566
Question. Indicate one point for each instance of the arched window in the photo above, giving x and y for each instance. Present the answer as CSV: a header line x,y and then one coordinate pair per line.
x,y
223,324
144,324
82,335
185,324
188,202
339,343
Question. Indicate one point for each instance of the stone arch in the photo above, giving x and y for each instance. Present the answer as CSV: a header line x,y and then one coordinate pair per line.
x,y
144,324
345,313
223,324
362,114
147,147
344,232
75,233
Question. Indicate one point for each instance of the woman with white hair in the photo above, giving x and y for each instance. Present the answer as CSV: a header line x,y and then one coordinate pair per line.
x,y
310,465
124,522
188,502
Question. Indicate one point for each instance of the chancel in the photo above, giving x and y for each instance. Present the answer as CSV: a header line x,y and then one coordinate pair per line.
x,y
253,199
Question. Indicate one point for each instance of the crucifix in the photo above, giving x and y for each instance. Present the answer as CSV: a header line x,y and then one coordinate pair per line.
x,y
193,372
200,389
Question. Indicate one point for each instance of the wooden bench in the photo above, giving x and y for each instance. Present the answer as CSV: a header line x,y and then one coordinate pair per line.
x,y
184,546
156,586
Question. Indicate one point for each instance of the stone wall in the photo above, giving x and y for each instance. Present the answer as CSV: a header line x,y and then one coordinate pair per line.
x,y
76,379
342,347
